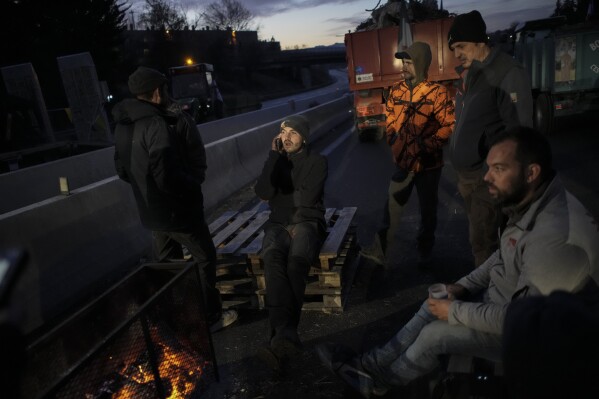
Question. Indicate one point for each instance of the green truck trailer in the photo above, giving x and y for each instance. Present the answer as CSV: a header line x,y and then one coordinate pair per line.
x,y
563,63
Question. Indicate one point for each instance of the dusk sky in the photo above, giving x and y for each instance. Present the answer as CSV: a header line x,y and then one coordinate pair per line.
x,y
324,22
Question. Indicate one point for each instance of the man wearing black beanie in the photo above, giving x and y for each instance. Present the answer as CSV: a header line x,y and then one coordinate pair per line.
x,y
493,94
292,181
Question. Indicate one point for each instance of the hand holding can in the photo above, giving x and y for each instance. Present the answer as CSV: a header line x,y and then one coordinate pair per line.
x,y
437,291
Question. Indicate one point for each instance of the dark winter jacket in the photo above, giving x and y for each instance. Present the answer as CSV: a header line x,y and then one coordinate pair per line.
x,y
492,96
162,156
294,187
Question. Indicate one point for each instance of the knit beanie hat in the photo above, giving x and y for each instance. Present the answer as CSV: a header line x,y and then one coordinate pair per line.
x,y
299,123
145,80
469,27
420,54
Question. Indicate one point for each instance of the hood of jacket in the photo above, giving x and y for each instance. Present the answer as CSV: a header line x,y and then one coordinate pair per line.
x,y
420,54
131,110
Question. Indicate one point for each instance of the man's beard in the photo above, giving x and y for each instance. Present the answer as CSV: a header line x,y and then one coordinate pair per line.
x,y
515,195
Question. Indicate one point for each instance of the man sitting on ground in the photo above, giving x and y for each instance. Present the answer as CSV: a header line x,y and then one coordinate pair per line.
x,y
550,243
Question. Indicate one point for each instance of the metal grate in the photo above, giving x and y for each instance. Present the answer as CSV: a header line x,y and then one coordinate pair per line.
x,y
145,338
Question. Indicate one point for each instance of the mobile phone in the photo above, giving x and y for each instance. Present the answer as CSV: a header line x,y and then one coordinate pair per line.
x,y
279,143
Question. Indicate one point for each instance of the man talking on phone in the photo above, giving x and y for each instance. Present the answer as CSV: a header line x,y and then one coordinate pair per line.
x,y
292,181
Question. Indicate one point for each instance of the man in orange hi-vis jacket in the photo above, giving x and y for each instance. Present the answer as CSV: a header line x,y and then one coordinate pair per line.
x,y
420,119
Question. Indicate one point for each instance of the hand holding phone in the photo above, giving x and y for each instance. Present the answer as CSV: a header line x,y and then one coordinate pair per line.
x,y
277,144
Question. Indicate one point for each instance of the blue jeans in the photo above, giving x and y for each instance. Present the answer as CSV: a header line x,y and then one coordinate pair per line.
x,y
288,252
414,350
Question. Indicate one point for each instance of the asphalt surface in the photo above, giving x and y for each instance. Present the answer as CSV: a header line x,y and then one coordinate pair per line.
x,y
380,300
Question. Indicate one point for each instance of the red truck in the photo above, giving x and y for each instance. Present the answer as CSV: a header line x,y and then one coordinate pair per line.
x,y
372,68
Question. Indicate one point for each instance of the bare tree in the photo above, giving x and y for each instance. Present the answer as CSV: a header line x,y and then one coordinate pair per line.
x,y
162,13
227,14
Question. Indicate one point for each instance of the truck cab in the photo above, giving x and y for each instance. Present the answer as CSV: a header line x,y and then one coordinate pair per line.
x,y
194,88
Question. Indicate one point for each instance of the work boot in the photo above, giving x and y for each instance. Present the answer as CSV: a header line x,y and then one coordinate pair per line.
x,y
227,318
282,349
374,252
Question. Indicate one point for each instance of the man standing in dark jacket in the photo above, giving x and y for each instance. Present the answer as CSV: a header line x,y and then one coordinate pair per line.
x,y
494,94
292,181
162,156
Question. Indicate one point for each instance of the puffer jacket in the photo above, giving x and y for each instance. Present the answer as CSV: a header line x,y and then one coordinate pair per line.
x,y
162,156
552,245
294,187
419,122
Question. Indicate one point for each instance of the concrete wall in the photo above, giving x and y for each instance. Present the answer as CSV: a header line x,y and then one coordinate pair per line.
x,y
216,130
37,183
77,244
34,184
81,243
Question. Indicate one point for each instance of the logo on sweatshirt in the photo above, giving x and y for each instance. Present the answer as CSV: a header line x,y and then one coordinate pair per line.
x,y
514,97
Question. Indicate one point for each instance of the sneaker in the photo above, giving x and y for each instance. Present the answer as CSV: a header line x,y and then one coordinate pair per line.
x,y
333,356
344,362
278,354
227,318
285,348
270,358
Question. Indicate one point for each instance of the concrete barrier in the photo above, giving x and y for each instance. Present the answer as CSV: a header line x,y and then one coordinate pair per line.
x,y
77,246
81,243
216,130
30,185
37,183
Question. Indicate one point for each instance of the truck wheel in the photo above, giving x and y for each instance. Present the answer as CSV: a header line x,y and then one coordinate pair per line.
x,y
543,114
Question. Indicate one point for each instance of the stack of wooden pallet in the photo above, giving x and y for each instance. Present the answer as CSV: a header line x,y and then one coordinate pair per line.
x,y
238,240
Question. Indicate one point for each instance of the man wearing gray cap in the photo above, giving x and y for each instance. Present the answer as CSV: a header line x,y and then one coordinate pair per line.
x,y
162,156
292,181
420,118
494,94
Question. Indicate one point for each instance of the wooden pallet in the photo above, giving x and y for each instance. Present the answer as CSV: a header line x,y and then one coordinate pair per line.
x,y
238,238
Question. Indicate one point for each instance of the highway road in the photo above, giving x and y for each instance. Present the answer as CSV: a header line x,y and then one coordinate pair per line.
x,y
341,85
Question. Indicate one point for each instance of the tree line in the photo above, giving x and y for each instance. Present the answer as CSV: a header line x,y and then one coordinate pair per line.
x,y
38,31
576,11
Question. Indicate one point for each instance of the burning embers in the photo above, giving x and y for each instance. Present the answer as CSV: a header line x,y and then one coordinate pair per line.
x,y
147,337
180,369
